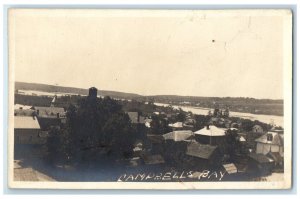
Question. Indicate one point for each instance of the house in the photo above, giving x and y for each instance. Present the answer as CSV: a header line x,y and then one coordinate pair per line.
x,y
211,135
204,154
27,130
50,116
174,146
200,150
50,112
270,142
269,152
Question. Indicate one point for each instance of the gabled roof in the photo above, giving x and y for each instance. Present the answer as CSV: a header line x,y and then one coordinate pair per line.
x,y
178,135
211,131
200,150
26,122
49,111
276,140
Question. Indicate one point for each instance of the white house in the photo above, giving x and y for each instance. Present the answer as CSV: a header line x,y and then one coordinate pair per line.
x,y
270,142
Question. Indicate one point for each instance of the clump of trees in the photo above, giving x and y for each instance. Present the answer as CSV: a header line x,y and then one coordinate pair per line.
x,y
201,121
181,116
159,125
97,130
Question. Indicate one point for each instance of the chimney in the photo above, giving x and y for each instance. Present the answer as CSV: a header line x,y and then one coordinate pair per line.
x,y
207,127
93,93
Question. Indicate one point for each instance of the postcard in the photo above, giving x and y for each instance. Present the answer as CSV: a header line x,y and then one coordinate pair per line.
x,y
150,99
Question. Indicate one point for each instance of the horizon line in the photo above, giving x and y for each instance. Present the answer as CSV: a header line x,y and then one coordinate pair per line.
x,y
148,95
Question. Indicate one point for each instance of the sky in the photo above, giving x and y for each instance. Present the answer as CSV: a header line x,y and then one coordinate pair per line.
x,y
194,53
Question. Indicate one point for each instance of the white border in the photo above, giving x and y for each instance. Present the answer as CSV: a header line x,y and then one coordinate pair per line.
x,y
260,185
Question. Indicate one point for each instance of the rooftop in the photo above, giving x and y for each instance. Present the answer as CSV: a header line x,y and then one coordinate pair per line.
x,y
23,112
178,135
277,139
230,168
26,122
49,111
200,150
211,131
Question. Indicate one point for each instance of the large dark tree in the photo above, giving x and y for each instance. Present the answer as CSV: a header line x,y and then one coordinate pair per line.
x,y
232,144
96,128
119,134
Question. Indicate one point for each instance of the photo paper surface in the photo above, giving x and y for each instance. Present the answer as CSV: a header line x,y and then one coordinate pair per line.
x,y
150,99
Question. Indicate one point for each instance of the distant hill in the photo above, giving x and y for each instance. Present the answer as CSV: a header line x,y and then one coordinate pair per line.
x,y
239,104
79,91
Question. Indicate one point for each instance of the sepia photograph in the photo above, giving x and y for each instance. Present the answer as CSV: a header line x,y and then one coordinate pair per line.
x,y
150,99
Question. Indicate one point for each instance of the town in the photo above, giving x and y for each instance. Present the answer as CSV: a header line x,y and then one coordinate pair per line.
x,y
138,140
